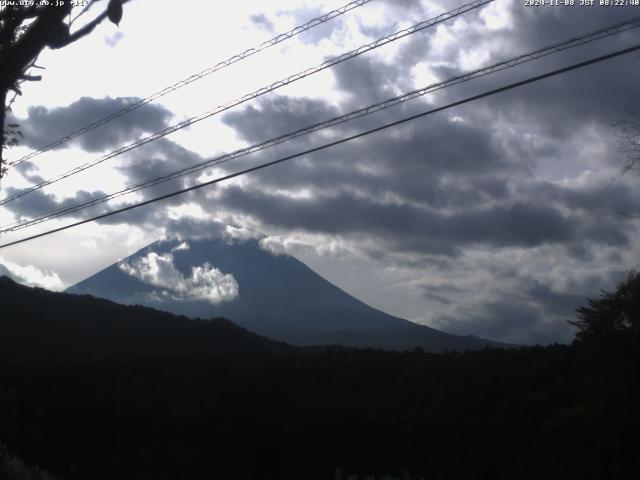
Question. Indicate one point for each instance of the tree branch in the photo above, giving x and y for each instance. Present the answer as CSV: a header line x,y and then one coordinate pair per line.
x,y
31,78
84,10
25,50
88,28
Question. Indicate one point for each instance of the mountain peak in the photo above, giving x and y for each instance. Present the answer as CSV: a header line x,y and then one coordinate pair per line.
x,y
270,294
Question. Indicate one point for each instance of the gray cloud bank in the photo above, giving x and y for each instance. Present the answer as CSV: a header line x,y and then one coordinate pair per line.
x,y
43,126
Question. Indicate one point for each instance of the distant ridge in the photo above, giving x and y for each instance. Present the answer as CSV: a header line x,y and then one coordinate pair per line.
x,y
38,325
277,296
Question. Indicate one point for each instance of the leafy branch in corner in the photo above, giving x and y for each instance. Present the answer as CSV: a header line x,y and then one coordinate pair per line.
x,y
25,31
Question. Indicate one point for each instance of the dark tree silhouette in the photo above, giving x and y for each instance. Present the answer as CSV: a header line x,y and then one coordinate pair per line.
x,y
614,315
26,30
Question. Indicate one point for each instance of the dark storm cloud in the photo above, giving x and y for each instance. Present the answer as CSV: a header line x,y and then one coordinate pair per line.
x,y
536,26
421,230
158,159
509,320
44,125
190,228
556,303
27,170
516,305
443,164
485,194
412,165
531,312
557,107
441,293
276,116
609,200
39,203
149,162
435,162
368,80
562,106
437,298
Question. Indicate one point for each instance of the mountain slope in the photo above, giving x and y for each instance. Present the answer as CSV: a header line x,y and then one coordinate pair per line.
x,y
273,295
36,324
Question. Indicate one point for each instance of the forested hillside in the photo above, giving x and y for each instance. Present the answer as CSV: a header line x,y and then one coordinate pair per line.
x,y
530,413
38,325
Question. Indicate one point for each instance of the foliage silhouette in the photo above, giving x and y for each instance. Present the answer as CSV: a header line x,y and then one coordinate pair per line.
x,y
614,316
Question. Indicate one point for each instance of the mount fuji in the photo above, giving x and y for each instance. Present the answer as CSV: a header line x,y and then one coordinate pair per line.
x,y
274,295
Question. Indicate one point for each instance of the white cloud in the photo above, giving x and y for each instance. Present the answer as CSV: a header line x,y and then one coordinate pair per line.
x,y
32,276
183,246
498,15
205,282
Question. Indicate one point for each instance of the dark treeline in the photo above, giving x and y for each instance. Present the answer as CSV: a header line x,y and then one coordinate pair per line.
x,y
42,327
540,412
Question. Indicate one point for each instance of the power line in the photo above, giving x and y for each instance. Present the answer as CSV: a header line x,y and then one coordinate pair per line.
x,y
197,76
539,53
258,93
332,144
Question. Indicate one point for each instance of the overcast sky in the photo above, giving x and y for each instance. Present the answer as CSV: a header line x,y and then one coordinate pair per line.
x,y
494,218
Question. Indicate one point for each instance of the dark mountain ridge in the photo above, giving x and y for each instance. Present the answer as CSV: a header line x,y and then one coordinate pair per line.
x,y
37,325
